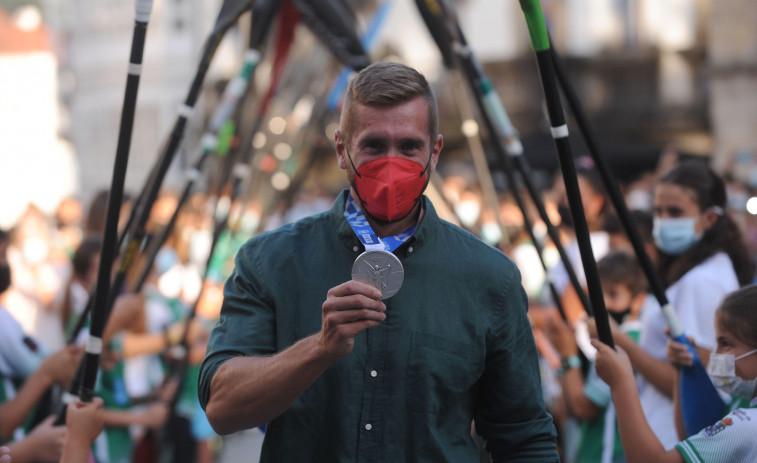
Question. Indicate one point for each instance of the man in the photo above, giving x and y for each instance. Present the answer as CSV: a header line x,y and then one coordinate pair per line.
x,y
358,378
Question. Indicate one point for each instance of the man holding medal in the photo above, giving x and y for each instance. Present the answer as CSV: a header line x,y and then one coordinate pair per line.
x,y
376,331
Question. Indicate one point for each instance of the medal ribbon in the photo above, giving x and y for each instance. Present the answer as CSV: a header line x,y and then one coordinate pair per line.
x,y
365,233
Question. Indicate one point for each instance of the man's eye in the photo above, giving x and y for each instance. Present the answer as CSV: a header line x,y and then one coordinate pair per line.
x,y
374,146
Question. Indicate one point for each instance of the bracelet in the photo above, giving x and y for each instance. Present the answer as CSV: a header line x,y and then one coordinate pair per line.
x,y
570,362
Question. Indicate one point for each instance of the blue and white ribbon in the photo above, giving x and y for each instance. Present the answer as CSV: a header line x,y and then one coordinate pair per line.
x,y
365,233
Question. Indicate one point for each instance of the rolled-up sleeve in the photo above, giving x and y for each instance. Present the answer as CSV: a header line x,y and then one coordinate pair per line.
x,y
247,322
510,413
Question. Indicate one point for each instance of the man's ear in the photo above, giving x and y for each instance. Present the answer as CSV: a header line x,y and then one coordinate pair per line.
x,y
435,151
340,148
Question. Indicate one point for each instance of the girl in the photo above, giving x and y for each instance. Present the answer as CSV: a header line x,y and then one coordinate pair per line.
x,y
702,257
733,368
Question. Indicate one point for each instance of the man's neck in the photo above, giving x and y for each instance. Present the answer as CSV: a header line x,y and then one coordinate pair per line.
x,y
383,229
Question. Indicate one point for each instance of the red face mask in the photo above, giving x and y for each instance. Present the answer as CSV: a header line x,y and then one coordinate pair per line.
x,y
389,187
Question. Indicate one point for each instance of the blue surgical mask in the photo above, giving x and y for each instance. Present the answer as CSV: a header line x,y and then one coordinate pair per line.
x,y
674,236
722,371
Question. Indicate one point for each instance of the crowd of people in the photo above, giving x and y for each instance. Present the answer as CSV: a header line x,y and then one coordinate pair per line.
x,y
146,400
614,407
480,356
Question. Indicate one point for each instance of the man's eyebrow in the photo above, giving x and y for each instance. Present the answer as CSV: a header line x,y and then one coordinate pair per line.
x,y
372,139
382,139
418,140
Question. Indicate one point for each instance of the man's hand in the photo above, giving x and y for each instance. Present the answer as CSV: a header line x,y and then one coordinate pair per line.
x,y
349,309
61,366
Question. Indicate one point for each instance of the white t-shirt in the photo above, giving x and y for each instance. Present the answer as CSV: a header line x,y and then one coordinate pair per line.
x,y
695,298
729,440
143,372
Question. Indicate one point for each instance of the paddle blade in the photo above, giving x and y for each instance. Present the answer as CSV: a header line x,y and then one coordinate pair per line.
x,y
432,14
333,23
230,11
263,14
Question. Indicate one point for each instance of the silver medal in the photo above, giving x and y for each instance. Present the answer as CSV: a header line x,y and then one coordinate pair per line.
x,y
381,269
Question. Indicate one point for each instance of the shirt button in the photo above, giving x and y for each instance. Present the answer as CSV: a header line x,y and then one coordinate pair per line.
x,y
355,248
374,373
410,249
368,427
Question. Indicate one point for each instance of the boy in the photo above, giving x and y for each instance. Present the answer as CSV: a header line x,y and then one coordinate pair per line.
x,y
589,399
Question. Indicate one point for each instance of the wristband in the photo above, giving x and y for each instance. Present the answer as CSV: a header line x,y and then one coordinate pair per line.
x,y
570,362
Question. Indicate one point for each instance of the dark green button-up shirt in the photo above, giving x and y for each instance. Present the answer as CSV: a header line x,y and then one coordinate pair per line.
x,y
456,346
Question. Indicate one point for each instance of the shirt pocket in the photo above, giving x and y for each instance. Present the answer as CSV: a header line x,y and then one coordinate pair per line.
x,y
441,372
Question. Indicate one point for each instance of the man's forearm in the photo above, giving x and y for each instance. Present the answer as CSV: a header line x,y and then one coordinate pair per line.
x,y
248,391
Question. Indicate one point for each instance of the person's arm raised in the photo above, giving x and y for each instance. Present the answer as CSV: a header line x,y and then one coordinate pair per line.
x,y
659,373
248,391
639,441
84,423
572,381
58,368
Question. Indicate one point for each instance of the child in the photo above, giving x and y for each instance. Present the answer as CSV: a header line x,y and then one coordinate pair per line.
x,y
83,422
701,257
624,291
24,363
733,368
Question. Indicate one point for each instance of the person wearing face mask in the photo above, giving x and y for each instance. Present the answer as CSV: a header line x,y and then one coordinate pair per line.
x,y
376,331
588,399
701,257
733,369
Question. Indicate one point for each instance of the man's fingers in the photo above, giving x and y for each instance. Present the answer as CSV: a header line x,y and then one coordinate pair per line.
x,y
351,295
349,316
352,302
355,287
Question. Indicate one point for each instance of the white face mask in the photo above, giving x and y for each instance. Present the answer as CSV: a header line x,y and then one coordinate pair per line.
x,y
722,371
